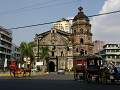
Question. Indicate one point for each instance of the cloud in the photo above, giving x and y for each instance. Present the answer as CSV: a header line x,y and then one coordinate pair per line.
x,y
107,27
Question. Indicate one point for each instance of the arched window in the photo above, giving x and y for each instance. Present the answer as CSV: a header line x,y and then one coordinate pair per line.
x,y
74,31
81,40
52,53
62,53
68,49
77,50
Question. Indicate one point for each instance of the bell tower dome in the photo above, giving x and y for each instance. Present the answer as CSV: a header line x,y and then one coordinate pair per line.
x,y
81,34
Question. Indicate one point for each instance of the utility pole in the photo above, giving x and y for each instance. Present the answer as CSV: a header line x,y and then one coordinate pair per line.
x,y
38,50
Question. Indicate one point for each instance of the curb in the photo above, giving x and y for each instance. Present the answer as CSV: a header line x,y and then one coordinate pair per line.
x,y
8,75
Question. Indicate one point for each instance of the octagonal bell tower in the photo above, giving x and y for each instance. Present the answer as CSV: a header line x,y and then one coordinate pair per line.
x,y
81,34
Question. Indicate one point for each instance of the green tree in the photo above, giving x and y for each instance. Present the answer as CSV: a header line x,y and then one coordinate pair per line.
x,y
44,54
26,51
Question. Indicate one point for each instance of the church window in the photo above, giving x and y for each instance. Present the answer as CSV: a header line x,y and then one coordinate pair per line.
x,y
62,53
77,50
53,48
52,53
68,49
81,41
53,31
74,31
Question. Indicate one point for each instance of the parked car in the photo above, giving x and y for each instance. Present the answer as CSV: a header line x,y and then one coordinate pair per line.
x,y
34,70
61,71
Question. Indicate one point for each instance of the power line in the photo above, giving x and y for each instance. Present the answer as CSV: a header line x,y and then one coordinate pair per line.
x,y
60,21
42,5
27,7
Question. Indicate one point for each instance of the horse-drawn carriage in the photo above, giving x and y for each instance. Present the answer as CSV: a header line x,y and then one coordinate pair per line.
x,y
15,71
92,67
87,67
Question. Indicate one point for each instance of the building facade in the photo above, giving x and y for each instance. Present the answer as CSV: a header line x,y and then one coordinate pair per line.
x,y
111,53
64,46
5,45
81,34
60,48
98,46
63,24
15,52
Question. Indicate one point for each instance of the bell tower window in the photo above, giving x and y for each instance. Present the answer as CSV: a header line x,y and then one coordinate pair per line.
x,y
74,31
81,40
77,50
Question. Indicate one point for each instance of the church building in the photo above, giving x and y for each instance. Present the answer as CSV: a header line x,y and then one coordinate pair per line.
x,y
63,46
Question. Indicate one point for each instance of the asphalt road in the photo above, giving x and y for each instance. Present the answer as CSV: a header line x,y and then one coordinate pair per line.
x,y
38,84
52,81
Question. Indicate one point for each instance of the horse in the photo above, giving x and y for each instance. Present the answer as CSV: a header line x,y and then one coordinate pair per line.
x,y
17,72
26,71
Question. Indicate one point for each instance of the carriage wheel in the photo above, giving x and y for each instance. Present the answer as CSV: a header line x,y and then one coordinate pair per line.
x,y
88,77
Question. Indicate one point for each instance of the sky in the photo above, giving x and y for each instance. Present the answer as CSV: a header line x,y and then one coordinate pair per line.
x,y
15,13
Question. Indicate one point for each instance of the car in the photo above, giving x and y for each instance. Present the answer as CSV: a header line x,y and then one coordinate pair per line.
x,y
34,70
61,71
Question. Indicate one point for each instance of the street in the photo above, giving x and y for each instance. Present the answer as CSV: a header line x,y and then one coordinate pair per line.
x,y
51,81
37,84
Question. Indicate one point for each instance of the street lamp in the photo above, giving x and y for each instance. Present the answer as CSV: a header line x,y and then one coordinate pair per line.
x,y
27,61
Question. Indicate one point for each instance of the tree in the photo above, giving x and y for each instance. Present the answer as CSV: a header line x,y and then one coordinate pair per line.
x,y
26,51
44,53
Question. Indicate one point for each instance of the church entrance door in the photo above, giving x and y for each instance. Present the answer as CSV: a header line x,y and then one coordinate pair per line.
x,y
51,66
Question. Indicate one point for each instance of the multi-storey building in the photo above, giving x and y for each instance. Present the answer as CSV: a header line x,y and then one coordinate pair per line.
x,y
63,24
111,53
5,45
15,52
64,46
98,46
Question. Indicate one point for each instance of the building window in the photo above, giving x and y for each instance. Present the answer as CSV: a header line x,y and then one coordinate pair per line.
x,y
113,57
81,41
108,56
53,31
77,50
108,45
53,48
117,57
108,50
62,53
117,50
52,53
68,49
74,31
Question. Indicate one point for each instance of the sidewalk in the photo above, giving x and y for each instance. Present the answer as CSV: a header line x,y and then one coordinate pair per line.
x,y
3,74
7,74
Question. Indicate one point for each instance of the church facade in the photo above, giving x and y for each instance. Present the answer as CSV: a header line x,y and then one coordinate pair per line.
x,y
63,46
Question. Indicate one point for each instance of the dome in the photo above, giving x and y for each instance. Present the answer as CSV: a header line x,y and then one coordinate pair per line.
x,y
80,15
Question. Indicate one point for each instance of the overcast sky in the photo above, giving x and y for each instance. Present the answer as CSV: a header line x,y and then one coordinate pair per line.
x,y
14,13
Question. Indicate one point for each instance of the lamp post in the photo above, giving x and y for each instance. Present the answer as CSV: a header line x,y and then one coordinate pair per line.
x,y
27,61
25,65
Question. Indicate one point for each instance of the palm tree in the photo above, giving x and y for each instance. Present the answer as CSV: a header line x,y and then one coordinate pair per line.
x,y
44,54
26,51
